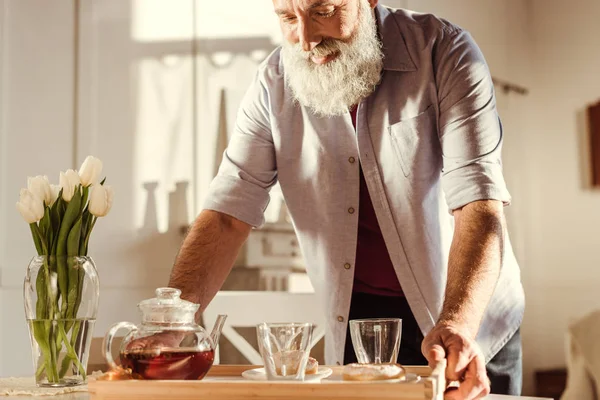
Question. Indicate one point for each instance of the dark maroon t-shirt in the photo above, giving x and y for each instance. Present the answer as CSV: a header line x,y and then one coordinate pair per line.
x,y
374,272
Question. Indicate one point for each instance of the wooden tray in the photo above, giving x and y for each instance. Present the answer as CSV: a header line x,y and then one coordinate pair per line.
x,y
224,382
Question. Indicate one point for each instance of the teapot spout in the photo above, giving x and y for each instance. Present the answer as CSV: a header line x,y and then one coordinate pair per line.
x,y
216,331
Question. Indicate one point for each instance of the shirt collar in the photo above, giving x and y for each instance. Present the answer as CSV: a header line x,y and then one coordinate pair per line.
x,y
396,55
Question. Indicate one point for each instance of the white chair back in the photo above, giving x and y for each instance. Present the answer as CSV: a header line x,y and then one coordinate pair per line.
x,y
248,309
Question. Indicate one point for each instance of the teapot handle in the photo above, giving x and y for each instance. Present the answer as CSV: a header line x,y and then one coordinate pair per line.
x,y
107,342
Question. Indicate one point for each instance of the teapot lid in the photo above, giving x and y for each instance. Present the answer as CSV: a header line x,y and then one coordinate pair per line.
x,y
168,307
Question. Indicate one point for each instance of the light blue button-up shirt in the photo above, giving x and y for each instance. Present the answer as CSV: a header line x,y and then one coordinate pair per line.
x,y
429,142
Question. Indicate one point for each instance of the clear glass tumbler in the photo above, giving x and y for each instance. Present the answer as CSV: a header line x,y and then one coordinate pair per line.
x,y
285,349
376,341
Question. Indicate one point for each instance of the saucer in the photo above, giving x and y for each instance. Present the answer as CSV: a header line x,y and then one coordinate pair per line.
x,y
259,374
408,378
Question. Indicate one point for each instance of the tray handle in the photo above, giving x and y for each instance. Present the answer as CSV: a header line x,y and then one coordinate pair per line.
x,y
438,376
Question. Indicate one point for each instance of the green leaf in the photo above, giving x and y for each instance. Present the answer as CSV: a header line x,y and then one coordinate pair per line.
x,y
74,238
50,238
73,267
41,305
55,212
86,193
46,228
71,215
45,221
36,239
79,293
56,218
37,235
63,207
54,246
89,233
85,227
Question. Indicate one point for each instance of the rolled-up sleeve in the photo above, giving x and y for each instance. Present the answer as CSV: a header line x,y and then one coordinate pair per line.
x,y
469,126
248,170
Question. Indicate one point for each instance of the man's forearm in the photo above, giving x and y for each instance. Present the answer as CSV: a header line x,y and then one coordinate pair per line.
x,y
207,256
474,264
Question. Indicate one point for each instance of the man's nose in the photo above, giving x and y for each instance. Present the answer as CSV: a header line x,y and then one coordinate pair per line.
x,y
306,34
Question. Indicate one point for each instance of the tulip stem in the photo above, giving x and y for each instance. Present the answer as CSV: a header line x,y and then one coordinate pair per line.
x,y
70,356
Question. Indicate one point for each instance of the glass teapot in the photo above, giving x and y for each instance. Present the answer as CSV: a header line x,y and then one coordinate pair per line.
x,y
168,344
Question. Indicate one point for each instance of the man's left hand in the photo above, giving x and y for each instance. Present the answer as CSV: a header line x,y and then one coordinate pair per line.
x,y
466,363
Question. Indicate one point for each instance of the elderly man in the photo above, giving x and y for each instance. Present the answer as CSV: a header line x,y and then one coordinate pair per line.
x,y
381,127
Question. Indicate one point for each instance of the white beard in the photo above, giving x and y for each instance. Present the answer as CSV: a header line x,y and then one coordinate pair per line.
x,y
332,88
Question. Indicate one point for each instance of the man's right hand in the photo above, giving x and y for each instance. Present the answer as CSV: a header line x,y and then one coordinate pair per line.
x,y
156,342
466,363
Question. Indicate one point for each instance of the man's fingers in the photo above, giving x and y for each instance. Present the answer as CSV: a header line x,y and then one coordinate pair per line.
x,y
458,394
483,394
452,393
476,383
465,364
459,358
435,354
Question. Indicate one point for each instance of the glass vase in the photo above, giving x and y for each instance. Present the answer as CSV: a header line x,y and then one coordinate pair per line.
x,y
61,303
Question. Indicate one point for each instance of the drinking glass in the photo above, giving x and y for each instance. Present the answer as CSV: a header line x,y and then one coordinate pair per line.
x,y
376,341
285,349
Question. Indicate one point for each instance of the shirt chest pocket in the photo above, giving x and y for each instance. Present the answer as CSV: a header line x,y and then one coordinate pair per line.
x,y
416,144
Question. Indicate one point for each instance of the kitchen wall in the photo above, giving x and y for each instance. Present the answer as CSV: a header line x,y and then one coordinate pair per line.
x,y
150,103
562,271
36,136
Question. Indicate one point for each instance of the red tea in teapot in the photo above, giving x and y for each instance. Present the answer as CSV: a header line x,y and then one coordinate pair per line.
x,y
169,364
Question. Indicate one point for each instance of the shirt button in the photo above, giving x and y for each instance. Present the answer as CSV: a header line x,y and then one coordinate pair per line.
x,y
352,160
347,266
341,319
351,210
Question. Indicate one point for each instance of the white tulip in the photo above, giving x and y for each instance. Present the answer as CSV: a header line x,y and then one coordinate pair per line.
x,y
68,183
101,199
90,171
30,206
40,186
55,192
